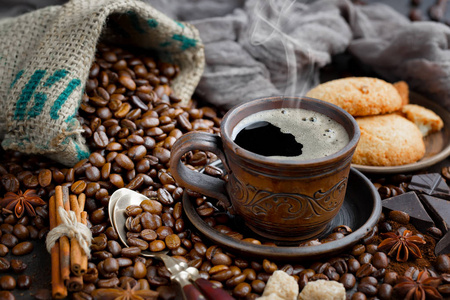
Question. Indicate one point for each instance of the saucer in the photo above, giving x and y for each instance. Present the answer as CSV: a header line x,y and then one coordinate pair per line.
x,y
360,211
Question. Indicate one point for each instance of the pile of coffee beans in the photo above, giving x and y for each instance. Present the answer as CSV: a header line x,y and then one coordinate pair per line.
x,y
131,120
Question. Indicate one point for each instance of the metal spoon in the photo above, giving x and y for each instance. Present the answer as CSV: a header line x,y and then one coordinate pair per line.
x,y
181,272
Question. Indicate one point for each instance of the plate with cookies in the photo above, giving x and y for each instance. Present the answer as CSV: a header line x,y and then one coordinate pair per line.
x,y
401,131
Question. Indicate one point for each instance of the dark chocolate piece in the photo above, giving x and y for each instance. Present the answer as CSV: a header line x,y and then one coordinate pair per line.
x,y
410,204
443,246
431,184
439,209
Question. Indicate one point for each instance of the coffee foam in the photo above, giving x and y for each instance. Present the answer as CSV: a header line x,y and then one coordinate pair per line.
x,y
319,135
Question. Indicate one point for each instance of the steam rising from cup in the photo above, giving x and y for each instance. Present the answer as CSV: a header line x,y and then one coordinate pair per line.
x,y
273,31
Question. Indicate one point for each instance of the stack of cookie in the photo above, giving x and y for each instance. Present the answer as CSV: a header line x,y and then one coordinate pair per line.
x,y
392,130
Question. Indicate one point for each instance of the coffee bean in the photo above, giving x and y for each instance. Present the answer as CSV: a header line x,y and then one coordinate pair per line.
x,y
358,249
365,258
23,282
443,263
9,240
385,291
434,232
4,264
3,250
358,296
399,216
7,282
365,270
18,266
242,290
157,245
6,295
10,183
380,260
131,252
21,231
348,280
140,270
368,289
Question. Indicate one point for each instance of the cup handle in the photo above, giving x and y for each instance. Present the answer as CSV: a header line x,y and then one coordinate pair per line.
x,y
196,181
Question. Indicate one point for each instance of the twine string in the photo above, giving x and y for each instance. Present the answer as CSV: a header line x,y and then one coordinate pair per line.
x,y
71,228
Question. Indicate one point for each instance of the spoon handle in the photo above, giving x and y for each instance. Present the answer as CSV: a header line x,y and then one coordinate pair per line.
x,y
210,291
192,293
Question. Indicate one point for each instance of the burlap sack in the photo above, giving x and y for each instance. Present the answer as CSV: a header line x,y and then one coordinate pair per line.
x,y
45,57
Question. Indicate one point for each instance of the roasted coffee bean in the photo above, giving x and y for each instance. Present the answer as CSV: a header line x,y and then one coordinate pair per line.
x,y
369,280
368,289
21,232
10,183
390,277
157,245
358,249
6,228
3,250
163,232
379,273
365,270
4,264
140,270
365,258
23,282
18,266
443,263
399,216
9,240
380,260
358,296
242,290
384,227
7,282
353,265
131,252
348,280
22,248
385,291
108,283
6,295
141,244
172,241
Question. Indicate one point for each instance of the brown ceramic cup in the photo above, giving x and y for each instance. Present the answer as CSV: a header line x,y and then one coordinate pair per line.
x,y
281,199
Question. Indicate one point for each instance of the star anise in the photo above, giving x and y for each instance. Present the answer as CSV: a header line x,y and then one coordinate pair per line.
x,y
402,244
125,294
422,288
21,202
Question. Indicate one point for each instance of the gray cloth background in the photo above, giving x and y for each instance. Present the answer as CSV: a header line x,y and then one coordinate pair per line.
x,y
259,48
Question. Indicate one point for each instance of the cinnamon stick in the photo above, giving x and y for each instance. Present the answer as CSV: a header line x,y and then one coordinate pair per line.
x,y
81,202
59,290
75,284
76,252
62,200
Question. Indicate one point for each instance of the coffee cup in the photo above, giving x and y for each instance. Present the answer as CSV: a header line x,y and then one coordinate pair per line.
x,y
280,195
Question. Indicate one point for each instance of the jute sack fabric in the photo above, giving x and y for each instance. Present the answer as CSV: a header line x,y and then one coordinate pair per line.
x,y
46,55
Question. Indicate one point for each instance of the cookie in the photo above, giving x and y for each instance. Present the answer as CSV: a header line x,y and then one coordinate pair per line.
x,y
388,140
403,90
427,120
360,96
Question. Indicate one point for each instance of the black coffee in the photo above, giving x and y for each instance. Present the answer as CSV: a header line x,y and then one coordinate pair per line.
x,y
266,139
290,133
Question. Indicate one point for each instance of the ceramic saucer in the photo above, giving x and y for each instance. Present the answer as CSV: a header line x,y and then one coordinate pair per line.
x,y
360,211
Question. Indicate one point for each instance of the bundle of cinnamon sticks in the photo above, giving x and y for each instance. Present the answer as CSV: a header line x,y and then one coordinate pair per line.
x,y
69,261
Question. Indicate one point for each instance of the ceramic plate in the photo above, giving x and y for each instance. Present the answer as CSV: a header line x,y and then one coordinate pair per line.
x,y
437,144
360,211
